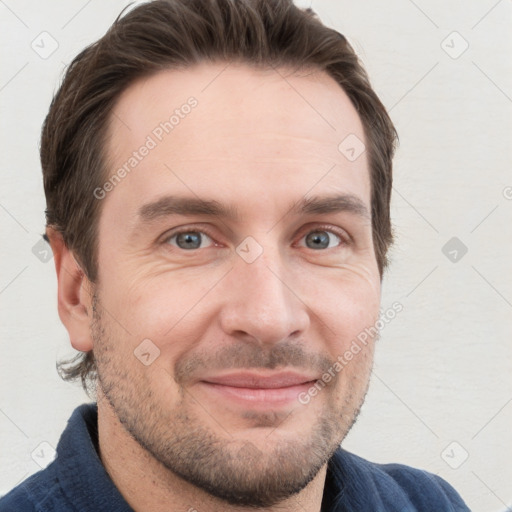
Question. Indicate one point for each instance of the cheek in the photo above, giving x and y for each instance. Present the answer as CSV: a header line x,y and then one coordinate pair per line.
x,y
347,303
171,309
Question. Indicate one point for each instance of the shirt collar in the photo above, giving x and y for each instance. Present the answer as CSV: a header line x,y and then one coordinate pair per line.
x,y
83,478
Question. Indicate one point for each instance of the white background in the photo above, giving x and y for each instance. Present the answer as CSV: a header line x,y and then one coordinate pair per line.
x,y
443,366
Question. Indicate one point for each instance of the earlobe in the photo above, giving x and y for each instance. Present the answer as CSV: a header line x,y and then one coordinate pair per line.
x,y
74,293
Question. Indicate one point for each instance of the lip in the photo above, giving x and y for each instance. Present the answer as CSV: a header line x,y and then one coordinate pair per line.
x,y
259,389
260,380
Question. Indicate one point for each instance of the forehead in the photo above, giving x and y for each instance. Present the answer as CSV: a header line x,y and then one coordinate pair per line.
x,y
226,130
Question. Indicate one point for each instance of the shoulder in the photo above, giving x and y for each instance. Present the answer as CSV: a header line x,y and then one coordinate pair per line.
x,y
40,492
44,491
393,486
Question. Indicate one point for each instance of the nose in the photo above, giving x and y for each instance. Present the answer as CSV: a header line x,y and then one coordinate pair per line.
x,y
261,304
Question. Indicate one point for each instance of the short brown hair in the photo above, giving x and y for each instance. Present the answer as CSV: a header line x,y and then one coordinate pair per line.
x,y
174,34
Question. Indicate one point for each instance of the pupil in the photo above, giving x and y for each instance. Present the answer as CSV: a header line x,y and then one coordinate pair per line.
x,y
318,239
188,240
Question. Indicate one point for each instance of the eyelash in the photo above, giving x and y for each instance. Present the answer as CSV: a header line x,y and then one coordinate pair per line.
x,y
345,238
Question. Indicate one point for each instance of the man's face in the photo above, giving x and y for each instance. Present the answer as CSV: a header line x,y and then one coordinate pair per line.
x,y
243,302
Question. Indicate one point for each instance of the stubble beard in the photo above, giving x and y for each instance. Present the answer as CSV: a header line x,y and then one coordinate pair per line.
x,y
230,468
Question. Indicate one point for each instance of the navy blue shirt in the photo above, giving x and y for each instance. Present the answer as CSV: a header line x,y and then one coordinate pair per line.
x,y
77,481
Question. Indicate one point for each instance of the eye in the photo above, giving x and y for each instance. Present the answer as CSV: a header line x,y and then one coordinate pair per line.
x,y
322,239
189,240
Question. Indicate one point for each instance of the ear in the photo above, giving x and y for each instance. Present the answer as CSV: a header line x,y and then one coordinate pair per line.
x,y
74,293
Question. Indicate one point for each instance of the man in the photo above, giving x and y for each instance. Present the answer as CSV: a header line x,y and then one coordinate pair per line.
x,y
218,179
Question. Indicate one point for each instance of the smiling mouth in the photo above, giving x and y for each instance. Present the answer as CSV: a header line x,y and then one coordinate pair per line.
x,y
259,390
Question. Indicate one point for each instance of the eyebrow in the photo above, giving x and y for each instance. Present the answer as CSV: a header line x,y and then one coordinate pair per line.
x,y
319,205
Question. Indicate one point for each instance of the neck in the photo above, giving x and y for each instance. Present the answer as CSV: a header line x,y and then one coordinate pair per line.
x,y
147,485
